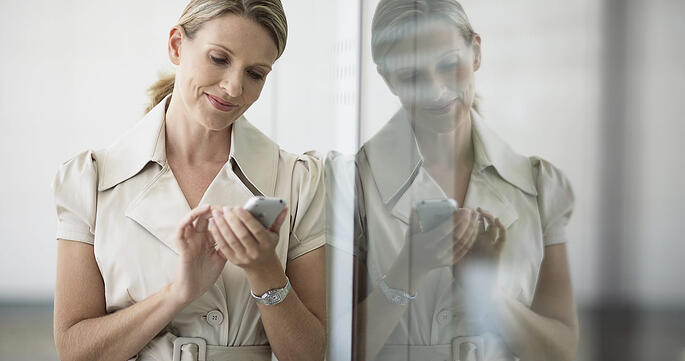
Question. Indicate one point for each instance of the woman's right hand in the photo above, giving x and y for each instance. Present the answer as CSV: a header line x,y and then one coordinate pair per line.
x,y
444,245
200,263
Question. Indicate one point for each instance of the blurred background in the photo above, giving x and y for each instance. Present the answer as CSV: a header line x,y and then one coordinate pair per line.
x,y
596,87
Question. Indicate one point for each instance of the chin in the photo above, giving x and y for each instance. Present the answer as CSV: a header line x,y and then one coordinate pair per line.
x,y
213,121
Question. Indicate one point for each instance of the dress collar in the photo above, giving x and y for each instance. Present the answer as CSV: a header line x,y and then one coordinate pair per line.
x,y
255,154
395,158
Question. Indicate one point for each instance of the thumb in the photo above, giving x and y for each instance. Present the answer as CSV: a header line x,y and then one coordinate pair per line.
x,y
279,220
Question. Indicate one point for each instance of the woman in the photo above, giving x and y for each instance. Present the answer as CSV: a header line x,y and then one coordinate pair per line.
x,y
492,281
142,276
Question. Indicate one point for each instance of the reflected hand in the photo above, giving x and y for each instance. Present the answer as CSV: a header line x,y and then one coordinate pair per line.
x,y
489,244
442,246
478,272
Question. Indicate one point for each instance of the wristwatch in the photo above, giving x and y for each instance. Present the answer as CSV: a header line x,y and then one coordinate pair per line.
x,y
394,295
274,296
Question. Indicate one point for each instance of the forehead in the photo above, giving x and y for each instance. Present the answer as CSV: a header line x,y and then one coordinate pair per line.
x,y
424,43
244,37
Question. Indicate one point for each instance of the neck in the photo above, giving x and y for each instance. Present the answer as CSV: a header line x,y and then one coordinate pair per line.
x,y
188,141
451,148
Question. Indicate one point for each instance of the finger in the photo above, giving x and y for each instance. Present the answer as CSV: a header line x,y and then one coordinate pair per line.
x,y
459,253
473,235
460,245
181,242
197,213
202,222
488,216
218,256
470,220
460,219
188,233
502,229
220,243
220,220
276,226
239,229
460,227
469,238
190,218
255,227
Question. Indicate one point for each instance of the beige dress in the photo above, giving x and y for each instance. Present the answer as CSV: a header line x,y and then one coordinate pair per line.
x,y
125,201
532,198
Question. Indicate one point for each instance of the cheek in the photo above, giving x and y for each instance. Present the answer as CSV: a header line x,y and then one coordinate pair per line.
x,y
252,91
199,73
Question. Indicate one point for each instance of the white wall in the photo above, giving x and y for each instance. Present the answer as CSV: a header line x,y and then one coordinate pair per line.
x,y
74,75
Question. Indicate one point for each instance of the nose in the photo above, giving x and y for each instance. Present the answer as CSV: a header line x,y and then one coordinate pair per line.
x,y
233,83
434,87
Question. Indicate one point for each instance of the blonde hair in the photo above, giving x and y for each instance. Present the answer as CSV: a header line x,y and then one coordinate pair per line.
x,y
267,13
397,19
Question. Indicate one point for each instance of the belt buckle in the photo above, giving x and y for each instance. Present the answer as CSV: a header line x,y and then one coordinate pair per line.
x,y
465,348
200,342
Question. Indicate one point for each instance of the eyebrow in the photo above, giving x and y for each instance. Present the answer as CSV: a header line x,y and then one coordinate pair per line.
x,y
439,58
231,53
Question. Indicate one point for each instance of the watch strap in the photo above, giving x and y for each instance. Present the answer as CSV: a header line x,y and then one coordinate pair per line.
x,y
274,296
395,296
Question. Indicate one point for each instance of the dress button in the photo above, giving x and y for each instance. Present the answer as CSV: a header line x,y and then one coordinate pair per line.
x,y
444,317
215,317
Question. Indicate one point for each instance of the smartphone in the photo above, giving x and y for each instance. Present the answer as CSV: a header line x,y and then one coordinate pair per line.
x,y
432,212
265,209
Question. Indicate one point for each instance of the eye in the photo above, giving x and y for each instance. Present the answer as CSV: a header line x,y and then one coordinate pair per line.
x,y
450,66
218,60
255,75
408,77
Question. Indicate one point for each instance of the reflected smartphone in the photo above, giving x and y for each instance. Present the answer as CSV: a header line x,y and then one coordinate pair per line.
x,y
432,212
265,209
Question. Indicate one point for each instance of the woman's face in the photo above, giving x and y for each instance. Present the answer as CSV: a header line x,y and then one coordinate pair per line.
x,y
221,71
432,72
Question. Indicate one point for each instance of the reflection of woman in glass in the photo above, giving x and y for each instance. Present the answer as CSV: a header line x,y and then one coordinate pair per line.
x,y
140,275
492,282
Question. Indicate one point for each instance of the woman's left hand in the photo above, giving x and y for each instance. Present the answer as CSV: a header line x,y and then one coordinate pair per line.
x,y
242,239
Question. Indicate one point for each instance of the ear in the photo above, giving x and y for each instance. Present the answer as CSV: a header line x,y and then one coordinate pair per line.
x,y
176,35
386,77
476,46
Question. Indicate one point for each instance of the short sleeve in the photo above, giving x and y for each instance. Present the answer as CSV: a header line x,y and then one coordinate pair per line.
x,y
75,192
555,201
308,225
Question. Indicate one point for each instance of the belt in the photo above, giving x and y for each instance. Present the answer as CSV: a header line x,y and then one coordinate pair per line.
x,y
169,347
465,348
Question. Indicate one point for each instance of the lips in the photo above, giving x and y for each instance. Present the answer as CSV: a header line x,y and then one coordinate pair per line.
x,y
443,108
220,104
